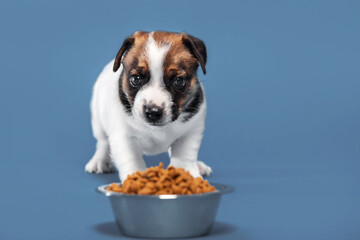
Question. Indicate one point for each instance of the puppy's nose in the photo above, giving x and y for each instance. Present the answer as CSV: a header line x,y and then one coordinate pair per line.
x,y
153,113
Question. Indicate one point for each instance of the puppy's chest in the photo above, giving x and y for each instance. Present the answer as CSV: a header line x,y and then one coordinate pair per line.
x,y
156,142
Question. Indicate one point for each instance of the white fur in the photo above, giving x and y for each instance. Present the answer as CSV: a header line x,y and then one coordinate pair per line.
x,y
156,55
126,138
154,91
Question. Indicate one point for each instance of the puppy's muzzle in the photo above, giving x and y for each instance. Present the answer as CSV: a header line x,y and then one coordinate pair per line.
x,y
153,113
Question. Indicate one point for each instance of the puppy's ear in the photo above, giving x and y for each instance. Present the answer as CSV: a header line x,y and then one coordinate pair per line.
x,y
197,48
124,48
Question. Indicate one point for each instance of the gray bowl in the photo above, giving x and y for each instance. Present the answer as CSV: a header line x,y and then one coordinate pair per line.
x,y
165,216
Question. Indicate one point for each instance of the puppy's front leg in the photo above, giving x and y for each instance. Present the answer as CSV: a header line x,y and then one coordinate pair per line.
x,y
127,155
184,154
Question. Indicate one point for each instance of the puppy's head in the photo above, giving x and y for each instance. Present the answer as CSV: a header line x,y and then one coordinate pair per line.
x,y
159,83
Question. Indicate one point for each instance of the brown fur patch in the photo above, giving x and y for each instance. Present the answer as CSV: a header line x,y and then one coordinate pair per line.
x,y
136,56
125,83
192,83
135,62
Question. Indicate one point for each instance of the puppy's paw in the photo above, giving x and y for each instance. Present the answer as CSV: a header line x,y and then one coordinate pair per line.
x,y
99,166
204,169
124,172
191,166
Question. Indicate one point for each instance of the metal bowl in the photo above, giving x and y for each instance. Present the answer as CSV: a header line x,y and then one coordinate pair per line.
x,y
165,216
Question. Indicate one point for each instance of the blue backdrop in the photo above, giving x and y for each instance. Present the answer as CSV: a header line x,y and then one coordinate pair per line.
x,y
283,90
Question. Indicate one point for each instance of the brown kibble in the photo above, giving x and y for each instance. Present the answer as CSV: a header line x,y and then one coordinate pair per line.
x,y
150,174
167,184
183,184
176,189
135,186
157,181
154,179
193,188
150,185
178,179
163,191
145,191
159,185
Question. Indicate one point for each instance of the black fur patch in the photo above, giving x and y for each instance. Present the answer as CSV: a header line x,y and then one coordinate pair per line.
x,y
174,111
193,106
186,101
178,96
127,98
123,97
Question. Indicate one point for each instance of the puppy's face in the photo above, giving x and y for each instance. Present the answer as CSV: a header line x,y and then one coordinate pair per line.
x,y
159,84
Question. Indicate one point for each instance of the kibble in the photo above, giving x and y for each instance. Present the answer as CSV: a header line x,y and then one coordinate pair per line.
x,y
158,181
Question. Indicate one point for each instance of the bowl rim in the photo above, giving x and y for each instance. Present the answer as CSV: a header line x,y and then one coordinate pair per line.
x,y
220,189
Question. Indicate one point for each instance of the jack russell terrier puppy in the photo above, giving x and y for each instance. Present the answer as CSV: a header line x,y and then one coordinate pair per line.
x,y
149,100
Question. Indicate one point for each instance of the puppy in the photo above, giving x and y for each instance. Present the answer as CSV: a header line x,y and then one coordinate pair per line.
x,y
148,101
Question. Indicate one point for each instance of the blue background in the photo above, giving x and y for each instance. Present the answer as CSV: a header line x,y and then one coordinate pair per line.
x,y
283,91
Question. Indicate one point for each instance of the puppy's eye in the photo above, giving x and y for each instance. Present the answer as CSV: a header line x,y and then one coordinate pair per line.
x,y
135,80
179,82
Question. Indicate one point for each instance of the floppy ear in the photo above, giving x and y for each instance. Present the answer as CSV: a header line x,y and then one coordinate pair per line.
x,y
125,47
197,48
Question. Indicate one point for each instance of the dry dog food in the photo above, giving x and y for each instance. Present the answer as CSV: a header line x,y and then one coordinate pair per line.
x,y
157,181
